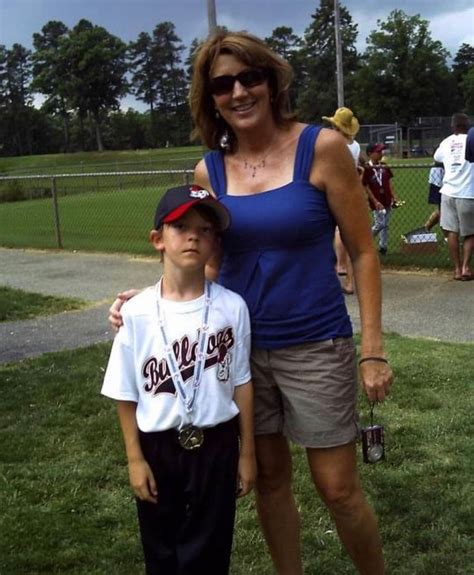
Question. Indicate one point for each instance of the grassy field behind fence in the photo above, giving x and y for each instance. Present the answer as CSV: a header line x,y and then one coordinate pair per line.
x,y
66,508
114,213
107,161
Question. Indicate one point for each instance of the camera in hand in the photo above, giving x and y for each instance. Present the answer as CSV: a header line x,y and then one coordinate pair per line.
x,y
373,444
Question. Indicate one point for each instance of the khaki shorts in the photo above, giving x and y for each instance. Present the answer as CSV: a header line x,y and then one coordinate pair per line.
x,y
307,392
457,215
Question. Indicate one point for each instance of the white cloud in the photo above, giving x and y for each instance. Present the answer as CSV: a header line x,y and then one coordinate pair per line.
x,y
454,29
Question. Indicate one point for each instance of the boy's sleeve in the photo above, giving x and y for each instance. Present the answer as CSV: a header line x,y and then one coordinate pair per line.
x,y
119,381
241,362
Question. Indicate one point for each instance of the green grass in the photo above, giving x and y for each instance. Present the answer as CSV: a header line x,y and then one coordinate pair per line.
x,y
114,213
17,304
104,161
65,505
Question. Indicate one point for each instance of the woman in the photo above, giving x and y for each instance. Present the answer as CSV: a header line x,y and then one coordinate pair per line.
x,y
287,185
347,124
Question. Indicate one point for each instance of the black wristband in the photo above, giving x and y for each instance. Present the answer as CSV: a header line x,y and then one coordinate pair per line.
x,y
381,359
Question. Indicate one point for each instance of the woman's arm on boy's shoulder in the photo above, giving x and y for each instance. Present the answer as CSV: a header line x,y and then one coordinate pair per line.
x,y
140,475
243,397
115,315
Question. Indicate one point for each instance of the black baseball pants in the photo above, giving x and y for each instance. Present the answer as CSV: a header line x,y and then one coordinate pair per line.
x,y
189,531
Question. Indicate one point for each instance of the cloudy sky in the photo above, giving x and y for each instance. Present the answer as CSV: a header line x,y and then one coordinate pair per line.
x,y
451,21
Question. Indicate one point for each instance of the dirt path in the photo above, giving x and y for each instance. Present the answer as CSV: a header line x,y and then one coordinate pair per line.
x,y
415,304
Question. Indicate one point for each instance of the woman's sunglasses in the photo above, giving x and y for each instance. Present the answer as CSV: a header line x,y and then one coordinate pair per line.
x,y
221,85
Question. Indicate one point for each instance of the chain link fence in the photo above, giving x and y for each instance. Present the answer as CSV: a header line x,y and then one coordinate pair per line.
x,y
113,212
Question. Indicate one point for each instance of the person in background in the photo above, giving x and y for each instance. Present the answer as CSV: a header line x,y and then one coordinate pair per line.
x,y
179,371
377,178
287,185
469,156
457,197
435,181
347,124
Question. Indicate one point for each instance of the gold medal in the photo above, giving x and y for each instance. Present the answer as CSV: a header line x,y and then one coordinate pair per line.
x,y
191,437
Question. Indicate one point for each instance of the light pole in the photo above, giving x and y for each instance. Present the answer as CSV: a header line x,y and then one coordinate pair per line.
x,y
211,15
339,74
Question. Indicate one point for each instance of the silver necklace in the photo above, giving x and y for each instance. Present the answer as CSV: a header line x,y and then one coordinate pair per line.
x,y
260,164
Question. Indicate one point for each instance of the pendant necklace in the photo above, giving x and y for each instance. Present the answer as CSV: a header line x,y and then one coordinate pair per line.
x,y
260,164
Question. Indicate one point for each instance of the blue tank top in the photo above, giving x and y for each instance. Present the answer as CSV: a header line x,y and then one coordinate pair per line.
x,y
279,256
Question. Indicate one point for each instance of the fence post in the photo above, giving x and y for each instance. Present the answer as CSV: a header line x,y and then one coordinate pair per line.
x,y
187,178
57,227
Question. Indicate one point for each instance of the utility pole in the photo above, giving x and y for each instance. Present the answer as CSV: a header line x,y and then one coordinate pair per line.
x,y
339,73
211,15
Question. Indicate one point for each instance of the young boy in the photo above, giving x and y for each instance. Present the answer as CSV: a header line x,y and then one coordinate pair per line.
x,y
179,370
377,179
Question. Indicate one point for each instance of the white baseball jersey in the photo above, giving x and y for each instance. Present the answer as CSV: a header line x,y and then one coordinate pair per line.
x,y
138,371
458,181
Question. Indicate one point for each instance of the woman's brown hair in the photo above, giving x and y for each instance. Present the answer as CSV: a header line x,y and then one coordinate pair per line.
x,y
209,126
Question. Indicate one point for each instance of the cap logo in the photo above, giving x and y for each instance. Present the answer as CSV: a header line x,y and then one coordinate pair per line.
x,y
198,194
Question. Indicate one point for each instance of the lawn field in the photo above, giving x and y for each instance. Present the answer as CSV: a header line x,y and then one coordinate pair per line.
x,y
66,507
109,221
17,304
114,212
107,161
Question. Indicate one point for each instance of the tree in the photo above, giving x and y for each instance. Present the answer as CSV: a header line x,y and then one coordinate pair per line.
x,y
51,72
174,117
195,43
467,86
98,65
318,96
463,67
15,99
404,72
143,67
464,60
127,130
160,81
288,45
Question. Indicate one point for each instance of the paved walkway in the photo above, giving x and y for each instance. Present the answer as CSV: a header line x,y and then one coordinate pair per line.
x,y
416,304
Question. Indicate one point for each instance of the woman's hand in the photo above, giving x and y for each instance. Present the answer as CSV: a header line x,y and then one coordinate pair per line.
x,y
115,317
376,379
247,474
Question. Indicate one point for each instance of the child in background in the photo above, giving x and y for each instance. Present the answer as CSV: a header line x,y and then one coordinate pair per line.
x,y
179,371
435,181
377,179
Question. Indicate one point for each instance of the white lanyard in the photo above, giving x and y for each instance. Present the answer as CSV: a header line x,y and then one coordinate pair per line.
x,y
378,172
178,381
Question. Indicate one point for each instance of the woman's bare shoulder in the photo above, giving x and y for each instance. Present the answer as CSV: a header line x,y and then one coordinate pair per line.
x,y
331,158
329,141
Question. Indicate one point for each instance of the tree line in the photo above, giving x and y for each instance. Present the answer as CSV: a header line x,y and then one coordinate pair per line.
x,y
83,73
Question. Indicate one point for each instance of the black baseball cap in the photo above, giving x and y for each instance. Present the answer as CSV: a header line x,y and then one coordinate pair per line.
x,y
175,202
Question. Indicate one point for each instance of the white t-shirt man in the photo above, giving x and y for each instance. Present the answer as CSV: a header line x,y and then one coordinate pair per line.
x,y
138,371
458,181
